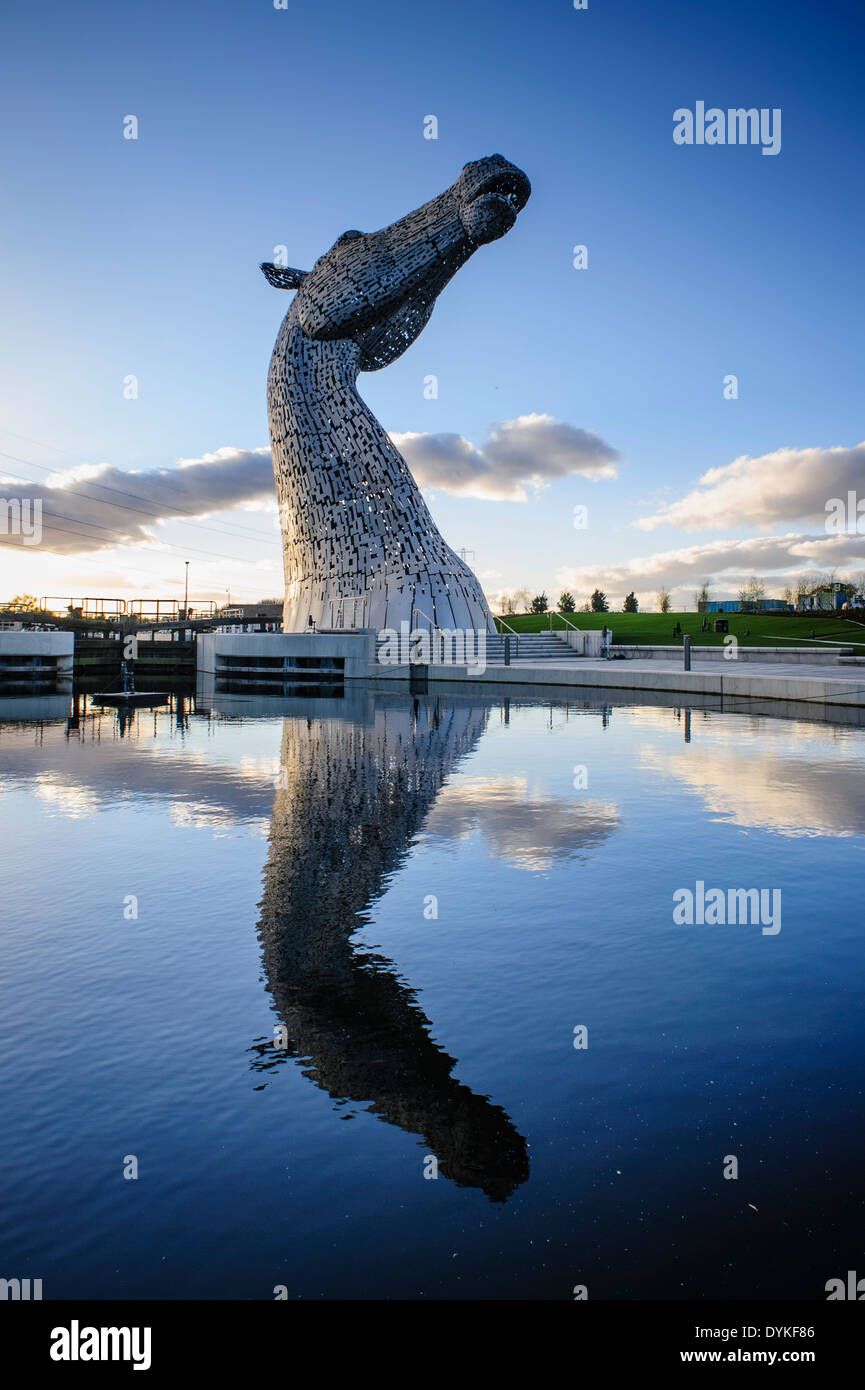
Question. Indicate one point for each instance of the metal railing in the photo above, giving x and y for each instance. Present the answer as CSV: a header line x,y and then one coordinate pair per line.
x,y
567,622
111,609
337,618
432,625
573,627
511,630
432,633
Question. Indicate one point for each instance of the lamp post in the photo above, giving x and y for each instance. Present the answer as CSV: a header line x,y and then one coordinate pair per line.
x,y
186,592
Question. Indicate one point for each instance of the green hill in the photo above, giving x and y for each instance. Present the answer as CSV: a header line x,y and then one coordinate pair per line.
x,y
751,629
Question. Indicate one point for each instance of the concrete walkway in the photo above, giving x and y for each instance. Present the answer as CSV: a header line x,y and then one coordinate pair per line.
x,y
798,682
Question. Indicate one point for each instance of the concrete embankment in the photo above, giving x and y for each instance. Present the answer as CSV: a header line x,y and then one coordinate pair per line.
x,y
807,676
799,683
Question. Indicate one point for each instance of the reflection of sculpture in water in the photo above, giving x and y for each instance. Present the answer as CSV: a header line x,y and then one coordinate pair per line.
x,y
353,795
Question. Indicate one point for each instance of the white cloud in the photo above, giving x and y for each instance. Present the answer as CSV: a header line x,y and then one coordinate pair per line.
x,y
526,828
97,507
786,486
728,563
529,452
789,796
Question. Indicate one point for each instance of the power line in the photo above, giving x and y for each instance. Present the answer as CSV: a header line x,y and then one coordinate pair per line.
x,y
123,492
132,569
77,521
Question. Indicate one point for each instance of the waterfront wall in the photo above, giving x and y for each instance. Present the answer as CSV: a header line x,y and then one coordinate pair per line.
x,y
785,656
725,680
267,659
36,659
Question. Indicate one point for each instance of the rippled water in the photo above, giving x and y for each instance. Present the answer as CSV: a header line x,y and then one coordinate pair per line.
x,y
293,956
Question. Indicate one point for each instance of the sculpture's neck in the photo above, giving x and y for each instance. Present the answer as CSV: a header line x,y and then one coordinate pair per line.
x,y
311,376
354,523
334,453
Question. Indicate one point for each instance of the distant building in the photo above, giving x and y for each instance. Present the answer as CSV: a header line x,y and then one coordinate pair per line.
x,y
734,605
264,616
822,598
826,598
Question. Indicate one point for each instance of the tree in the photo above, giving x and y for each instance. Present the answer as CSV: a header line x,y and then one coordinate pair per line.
x,y
506,603
22,603
757,588
539,603
522,600
631,605
662,598
858,581
753,593
566,602
599,602
805,586
702,596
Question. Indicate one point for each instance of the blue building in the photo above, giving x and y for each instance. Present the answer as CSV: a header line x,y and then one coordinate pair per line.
x,y
734,605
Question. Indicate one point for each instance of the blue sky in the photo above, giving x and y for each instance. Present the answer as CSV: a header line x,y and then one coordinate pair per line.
x,y
261,127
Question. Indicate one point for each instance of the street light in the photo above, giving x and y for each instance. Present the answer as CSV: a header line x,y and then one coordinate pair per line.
x,y
186,592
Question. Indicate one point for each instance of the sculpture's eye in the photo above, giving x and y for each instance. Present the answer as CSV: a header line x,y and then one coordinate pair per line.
x,y
348,236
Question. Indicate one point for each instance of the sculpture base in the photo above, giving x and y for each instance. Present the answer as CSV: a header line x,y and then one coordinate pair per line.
x,y
422,600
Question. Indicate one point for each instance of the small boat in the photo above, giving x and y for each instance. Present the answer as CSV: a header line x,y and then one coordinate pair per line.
x,y
129,696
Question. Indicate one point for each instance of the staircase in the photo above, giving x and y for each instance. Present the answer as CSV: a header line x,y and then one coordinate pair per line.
x,y
533,649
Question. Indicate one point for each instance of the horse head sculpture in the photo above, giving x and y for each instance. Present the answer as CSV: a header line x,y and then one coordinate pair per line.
x,y
354,524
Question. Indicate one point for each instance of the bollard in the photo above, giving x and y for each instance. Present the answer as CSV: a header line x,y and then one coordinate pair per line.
x,y
686,649
507,651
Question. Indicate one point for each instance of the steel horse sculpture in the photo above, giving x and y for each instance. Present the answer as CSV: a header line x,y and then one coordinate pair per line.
x,y
359,544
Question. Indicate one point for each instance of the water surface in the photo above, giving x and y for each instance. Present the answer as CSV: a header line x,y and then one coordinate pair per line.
x,y
294,956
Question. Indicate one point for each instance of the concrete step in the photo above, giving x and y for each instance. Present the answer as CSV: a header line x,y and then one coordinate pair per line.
x,y
532,649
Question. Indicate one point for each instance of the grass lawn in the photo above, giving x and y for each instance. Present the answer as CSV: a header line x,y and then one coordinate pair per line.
x,y
751,629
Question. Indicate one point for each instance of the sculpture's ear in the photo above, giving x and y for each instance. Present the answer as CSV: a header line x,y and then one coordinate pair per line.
x,y
283,277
